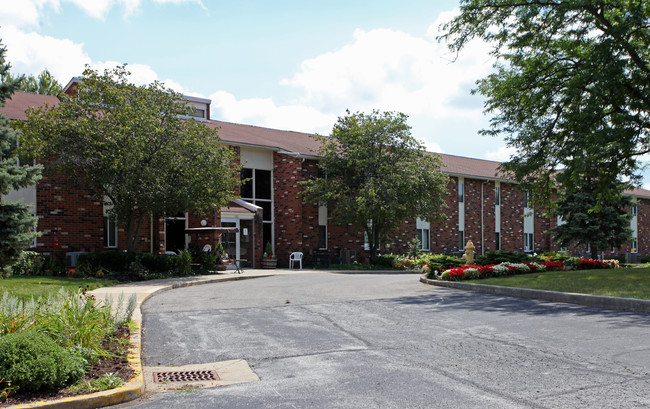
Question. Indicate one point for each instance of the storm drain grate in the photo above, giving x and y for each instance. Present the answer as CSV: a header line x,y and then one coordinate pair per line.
x,y
185,376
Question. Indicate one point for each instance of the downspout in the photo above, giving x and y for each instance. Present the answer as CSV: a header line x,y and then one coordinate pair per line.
x,y
151,234
482,221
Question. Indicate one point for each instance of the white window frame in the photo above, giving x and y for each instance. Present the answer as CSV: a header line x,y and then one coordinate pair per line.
x,y
322,223
529,242
423,229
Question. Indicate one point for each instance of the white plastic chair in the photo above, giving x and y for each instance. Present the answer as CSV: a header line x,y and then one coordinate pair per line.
x,y
207,248
296,256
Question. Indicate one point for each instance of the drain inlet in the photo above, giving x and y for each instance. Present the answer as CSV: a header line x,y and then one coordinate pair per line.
x,y
185,376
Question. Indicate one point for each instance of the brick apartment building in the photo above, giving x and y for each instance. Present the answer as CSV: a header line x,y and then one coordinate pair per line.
x,y
482,207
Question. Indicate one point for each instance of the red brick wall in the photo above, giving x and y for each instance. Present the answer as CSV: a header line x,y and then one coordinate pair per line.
x,y
74,216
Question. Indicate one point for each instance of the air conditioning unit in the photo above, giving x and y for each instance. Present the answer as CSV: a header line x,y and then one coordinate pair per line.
x,y
348,256
72,256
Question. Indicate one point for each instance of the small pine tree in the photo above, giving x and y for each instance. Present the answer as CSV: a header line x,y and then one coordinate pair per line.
x,y
17,224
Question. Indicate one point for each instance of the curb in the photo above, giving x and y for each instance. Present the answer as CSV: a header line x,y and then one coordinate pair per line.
x,y
388,272
134,388
611,303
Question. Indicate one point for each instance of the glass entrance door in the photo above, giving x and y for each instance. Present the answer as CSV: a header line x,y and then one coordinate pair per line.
x,y
230,240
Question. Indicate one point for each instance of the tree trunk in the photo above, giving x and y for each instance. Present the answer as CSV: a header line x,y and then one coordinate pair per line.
x,y
594,253
132,230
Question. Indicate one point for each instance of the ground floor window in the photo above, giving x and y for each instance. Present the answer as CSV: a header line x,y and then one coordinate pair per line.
x,y
529,244
110,232
635,246
497,240
461,240
322,237
423,233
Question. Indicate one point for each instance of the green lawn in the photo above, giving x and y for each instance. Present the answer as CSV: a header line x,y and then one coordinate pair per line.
x,y
24,286
619,282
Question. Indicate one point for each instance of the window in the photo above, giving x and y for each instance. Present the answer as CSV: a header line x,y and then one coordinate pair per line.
x,y
258,189
322,227
529,244
497,240
635,246
461,191
588,248
422,229
634,209
461,240
198,113
527,199
110,232
322,237
497,195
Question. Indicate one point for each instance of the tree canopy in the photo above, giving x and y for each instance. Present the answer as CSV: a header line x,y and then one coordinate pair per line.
x,y
44,84
131,145
570,91
374,175
17,223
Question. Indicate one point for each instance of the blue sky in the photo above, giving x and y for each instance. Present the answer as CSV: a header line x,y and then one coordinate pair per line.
x,y
294,65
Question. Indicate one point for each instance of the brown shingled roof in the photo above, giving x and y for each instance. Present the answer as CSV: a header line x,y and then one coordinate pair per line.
x,y
289,141
295,142
16,106
462,166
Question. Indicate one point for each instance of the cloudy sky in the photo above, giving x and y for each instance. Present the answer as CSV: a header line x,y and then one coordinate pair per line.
x,y
294,65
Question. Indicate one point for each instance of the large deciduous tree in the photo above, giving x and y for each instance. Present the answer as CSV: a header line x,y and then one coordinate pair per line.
x,y
17,223
132,146
375,175
570,91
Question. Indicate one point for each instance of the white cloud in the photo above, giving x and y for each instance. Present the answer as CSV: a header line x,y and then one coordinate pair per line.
x,y
431,146
264,112
391,70
31,53
502,154
24,12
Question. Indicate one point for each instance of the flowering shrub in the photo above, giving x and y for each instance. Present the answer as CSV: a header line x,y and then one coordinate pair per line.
x,y
403,263
584,264
552,265
471,273
474,271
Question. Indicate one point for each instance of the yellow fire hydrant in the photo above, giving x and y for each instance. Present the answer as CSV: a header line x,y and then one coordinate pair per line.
x,y
469,252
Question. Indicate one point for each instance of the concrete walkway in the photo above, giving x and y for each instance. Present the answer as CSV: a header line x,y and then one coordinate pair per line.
x,y
143,290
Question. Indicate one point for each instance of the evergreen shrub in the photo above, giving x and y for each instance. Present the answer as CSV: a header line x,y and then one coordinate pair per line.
x,y
500,256
32,361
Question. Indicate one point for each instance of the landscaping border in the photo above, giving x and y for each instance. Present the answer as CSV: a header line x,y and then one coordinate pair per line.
x,y
134,388
612,303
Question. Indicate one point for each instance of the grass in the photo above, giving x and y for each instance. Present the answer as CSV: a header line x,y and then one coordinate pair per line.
x,y
619,282
37,286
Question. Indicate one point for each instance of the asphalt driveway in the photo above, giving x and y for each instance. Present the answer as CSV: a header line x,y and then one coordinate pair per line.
x,y
321,340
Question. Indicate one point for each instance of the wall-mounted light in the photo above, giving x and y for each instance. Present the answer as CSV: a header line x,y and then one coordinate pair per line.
x,y
204,222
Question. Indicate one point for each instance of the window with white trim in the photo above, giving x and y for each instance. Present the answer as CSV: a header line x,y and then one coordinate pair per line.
x,y
497,195
461,240
322,227
461,191
258,189
423,229
529,243
497,240
527,199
